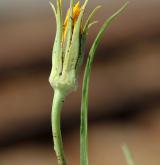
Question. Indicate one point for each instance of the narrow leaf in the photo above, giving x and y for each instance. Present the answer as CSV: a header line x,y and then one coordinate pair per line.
x,y
90,18
128,155
54,9
91,24
85,89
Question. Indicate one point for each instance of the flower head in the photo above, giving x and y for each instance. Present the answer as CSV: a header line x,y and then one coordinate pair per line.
x,y
69,46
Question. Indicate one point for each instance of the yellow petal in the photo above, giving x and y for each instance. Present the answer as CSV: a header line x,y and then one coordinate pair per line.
x,y
76,12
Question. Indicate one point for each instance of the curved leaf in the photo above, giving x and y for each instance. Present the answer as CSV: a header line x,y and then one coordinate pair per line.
x,y
85,89
90,18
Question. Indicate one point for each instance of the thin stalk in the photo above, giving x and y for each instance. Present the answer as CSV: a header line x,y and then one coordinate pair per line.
x,y
56,128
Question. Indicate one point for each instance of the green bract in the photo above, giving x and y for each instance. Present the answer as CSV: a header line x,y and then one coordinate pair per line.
x,y
67,54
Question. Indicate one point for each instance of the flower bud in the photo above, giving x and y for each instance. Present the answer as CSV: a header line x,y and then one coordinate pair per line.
x,y
68,48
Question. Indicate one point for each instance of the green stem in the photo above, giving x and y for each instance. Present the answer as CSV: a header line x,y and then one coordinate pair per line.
x,y
56,128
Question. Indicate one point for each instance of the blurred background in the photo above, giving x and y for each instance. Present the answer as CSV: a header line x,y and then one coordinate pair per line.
x,y
124,89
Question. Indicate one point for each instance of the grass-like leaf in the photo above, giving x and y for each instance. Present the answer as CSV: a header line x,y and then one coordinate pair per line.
x,y
128,155
85,89
90,18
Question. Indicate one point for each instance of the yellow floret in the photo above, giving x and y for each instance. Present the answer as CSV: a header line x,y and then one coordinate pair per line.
x,y
76,12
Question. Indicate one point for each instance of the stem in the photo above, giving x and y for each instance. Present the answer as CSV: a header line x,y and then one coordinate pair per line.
x,y
56,128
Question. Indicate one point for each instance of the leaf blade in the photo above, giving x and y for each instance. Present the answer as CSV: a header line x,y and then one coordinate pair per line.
x,y
85,90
